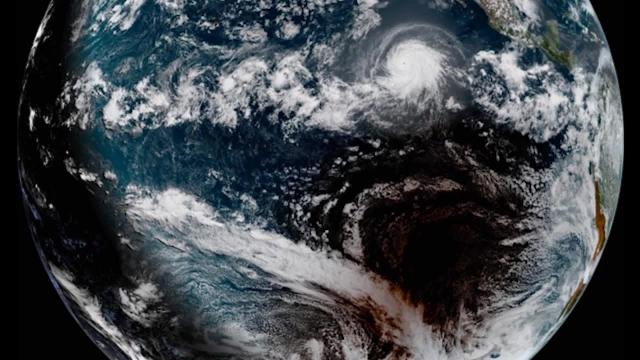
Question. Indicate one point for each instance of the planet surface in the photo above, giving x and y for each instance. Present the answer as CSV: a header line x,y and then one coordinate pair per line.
x,y
320,179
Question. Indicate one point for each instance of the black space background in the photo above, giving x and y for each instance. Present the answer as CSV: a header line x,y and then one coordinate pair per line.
x,y
595,329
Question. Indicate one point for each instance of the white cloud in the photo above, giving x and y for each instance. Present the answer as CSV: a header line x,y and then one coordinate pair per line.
x,y
289,30
82,94
125,15
294,265
539,111
92,310
136,304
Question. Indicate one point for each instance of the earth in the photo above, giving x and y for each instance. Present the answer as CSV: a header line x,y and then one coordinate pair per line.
x,y
320,179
